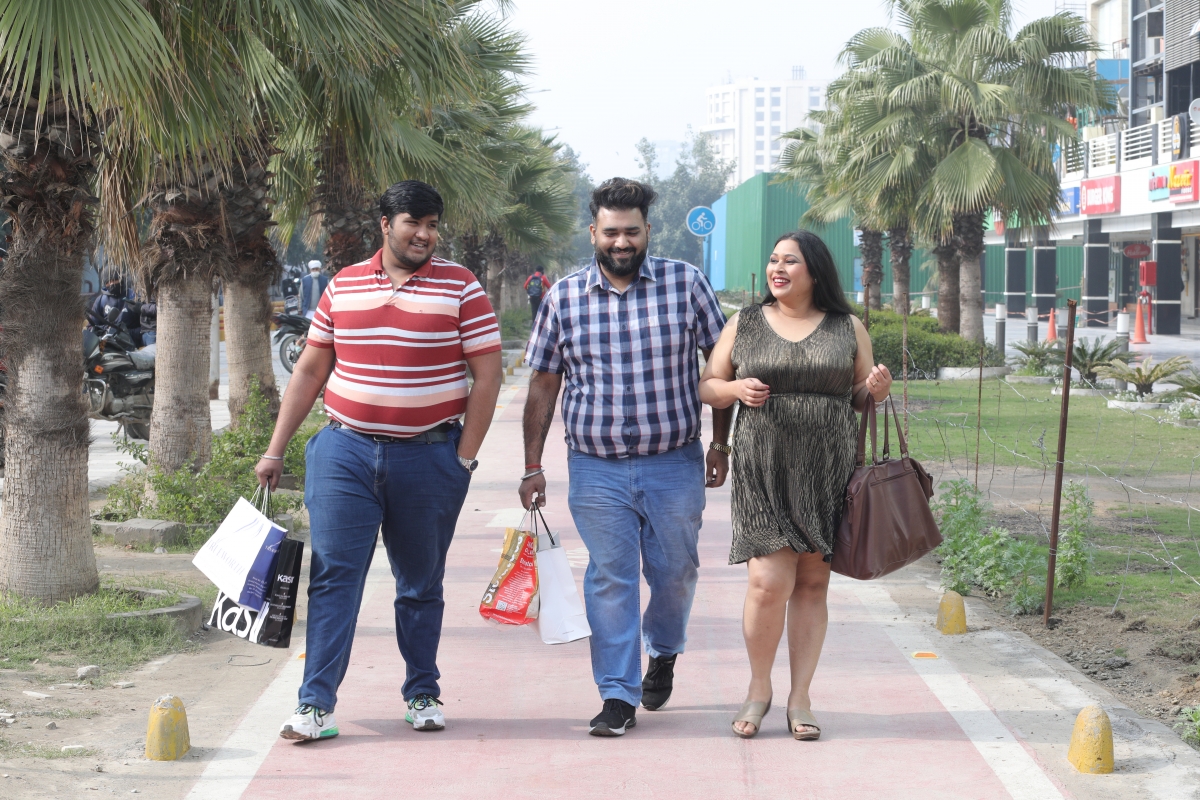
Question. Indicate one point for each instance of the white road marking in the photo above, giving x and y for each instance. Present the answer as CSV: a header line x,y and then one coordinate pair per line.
x,y
1016,768
229,773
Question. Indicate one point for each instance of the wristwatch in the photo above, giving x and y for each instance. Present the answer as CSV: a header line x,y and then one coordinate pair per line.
x,y
469,464
720,448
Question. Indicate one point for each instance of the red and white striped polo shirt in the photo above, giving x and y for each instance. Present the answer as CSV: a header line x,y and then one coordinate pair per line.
x,y
400,364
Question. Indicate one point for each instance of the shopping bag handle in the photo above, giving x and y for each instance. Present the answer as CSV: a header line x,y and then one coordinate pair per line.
x,y
538,510
261,499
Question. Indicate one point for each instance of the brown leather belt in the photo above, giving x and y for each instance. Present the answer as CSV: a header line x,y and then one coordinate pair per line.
x,y
434,435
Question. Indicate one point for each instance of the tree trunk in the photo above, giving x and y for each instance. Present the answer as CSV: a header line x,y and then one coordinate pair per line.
x,y
349,213
946,253
248,346
497,260
871,249
969,231
254,268
474,257
180,425
45,174
900,247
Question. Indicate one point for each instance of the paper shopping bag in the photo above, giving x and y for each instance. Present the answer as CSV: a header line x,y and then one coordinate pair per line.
x,y
512,596
561,617
279,612
229,616
241,554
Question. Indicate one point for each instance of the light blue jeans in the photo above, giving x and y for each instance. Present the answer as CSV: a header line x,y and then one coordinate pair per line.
x,y
637,514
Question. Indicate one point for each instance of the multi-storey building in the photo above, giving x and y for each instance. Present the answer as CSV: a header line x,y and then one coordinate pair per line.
x,y
745,119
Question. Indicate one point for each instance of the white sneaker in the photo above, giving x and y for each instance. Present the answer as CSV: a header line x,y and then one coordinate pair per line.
x,y
424,714
309,723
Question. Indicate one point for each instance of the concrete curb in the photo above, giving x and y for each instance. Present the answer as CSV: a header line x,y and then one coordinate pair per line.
x,y
971,373
188,613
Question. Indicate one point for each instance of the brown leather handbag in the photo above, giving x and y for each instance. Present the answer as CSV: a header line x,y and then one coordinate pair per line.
x,y
886,523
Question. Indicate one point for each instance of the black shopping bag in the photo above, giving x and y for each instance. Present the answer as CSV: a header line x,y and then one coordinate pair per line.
x,y
270,625
275,621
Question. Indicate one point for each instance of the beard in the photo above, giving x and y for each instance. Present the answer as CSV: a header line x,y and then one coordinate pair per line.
x,y
622,267
411,264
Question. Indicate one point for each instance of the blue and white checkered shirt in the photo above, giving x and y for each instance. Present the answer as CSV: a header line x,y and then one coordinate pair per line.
x,y
632,372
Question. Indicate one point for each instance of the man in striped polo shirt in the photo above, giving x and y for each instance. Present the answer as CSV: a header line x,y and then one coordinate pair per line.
x,y
390,343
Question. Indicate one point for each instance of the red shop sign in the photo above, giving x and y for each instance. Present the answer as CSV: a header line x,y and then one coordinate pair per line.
x,y
1137,250
1101,195
1182,184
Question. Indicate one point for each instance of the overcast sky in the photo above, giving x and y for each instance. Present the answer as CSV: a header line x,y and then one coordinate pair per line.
x,y
607,73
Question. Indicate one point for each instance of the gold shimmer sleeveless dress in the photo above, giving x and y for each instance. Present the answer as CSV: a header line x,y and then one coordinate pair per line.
x,y
793,455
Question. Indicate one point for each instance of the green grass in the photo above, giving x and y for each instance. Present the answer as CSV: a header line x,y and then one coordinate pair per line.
x,y
14,749
70,634
516,323
1020,428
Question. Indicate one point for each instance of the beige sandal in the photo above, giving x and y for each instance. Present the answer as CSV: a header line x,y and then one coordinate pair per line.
x,y
752,711
802,716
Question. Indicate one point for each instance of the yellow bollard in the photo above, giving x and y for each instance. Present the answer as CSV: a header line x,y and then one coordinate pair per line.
x,y
167,736
952,614
1091,742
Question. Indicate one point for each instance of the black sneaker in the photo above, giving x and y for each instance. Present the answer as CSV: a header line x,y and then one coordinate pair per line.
x,y
614,719
659,680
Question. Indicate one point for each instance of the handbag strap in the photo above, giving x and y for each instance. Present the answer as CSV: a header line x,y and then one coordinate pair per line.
x,y
867,414
899,430
537,510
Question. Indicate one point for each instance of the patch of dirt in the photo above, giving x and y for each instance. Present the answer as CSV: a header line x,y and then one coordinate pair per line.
x,y
1153,669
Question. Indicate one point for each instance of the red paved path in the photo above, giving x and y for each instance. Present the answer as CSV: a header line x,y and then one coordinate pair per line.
x,y
517,709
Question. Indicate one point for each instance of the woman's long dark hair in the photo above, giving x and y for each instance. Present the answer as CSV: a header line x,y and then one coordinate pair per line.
x,y
827,286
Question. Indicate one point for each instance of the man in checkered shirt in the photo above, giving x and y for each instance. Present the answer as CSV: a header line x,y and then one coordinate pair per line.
x,y
625,331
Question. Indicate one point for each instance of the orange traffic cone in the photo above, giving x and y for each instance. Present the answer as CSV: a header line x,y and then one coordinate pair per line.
x,y
1052,336
1139,326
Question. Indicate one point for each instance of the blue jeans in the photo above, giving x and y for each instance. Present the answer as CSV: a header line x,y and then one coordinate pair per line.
x,y
637,512
354,486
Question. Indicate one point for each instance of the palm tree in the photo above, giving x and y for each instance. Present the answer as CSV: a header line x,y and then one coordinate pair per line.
x,y
1143,376
991,105
65,67
1089,355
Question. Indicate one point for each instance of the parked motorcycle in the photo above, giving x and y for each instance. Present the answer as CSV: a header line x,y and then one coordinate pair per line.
x,y
291,335
119,378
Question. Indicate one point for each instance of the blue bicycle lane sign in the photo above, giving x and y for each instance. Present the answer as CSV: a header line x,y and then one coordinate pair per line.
x,y
701,220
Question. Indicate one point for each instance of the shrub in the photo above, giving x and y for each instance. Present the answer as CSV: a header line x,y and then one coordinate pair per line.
x,y
960,518
1089,355
208,495
1026,593
990,561
928,349
1189,725
1143,376
1036,358
1074,560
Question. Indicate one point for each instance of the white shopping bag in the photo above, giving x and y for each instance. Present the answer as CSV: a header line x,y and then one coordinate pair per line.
x,y
240,556
561,618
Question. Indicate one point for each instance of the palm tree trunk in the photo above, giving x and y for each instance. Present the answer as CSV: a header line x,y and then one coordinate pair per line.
x,y
180,425
496,262
255,268
349,213
248,346
946,253
474,257
45,176
969,230
871,249
901,247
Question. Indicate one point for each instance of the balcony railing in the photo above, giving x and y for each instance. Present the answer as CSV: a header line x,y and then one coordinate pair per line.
x,y
1129,149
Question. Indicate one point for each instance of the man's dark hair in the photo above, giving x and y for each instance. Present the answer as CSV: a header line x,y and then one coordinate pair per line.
x,y
415,198
622,194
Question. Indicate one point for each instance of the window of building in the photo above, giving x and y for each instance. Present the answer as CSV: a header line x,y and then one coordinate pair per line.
x,y
758,130
775,144
758,102
774,101
774,130
774,116
758,116
758,160
758,145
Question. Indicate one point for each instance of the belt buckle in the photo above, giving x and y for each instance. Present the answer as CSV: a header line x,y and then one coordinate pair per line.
x,y
381,438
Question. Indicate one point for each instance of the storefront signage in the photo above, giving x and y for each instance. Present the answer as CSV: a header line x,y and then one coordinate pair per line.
x,y
1179,136
1182,183
1101,195
1068,203
1137,250
1158,183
